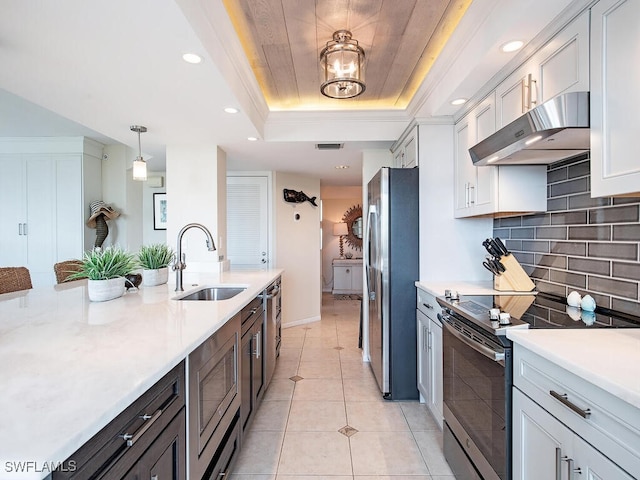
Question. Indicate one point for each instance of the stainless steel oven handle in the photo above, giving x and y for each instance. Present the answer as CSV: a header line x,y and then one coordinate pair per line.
x,y
482,349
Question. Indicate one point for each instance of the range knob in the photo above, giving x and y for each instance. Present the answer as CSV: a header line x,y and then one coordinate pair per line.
x,y
505,318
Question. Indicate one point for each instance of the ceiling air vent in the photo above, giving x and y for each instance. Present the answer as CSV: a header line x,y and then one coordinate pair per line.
x,y
329,146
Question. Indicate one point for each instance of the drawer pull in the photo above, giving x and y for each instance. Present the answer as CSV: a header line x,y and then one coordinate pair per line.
x,y
428,305
584,413
149,421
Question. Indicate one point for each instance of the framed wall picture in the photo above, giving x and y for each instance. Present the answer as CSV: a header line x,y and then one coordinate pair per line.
x,y
159,211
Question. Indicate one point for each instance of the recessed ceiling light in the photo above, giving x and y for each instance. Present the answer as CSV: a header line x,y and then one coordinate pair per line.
x,y
512,46
252,139
459,101
192,58
341,167
231,110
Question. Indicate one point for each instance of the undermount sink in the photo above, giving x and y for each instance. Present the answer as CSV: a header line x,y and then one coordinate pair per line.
x,y
213,293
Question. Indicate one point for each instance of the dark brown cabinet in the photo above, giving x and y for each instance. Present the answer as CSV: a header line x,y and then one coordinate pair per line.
x,y
166,457
148,436
252,372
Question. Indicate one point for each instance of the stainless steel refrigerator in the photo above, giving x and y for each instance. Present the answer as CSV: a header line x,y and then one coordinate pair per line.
x,y
392,269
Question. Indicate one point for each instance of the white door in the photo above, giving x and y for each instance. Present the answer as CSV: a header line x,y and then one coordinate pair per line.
x,y
248,222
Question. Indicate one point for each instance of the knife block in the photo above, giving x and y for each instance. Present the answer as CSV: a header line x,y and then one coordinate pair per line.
x,y
514,277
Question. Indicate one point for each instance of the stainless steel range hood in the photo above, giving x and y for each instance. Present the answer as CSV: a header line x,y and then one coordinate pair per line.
x,y
553,131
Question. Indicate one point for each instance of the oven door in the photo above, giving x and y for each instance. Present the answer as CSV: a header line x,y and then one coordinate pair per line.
x,y
477,401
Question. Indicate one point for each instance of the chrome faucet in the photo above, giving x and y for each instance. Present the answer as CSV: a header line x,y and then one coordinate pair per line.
x,y
180,263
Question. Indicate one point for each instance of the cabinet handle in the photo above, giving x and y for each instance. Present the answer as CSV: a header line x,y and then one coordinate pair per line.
x,y
466,194
19,229
425,343
571,470
131,439
256,338
530,102
428,305
558,463
429,343
562,398
471,195
25,230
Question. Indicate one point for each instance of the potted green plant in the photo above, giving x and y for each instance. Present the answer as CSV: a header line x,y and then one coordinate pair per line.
x,y
105,269
154,260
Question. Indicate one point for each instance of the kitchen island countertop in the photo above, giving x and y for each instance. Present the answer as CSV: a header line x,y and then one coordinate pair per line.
x,y
70,366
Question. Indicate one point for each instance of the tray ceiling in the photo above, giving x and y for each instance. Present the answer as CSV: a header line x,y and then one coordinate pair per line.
x,y
282,40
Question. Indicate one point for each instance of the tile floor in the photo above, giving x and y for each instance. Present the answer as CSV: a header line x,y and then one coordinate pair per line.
x,y
323,417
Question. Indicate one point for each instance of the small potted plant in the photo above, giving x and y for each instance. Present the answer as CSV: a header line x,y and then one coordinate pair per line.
x,y
105,269
154,260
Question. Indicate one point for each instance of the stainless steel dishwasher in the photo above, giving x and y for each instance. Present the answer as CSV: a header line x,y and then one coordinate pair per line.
x,y
273,306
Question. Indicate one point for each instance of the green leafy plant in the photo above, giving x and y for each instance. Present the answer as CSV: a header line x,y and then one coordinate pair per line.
x,y
153,257
106,263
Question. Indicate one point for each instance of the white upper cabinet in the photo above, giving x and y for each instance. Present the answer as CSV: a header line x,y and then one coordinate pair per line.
x,y
488,190
474,186
615,75
561,66
406,153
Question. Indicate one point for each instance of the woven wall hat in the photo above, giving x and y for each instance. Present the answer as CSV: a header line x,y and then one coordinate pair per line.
x,y
100,208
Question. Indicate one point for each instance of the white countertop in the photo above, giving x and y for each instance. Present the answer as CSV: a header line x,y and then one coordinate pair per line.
x,y
607,358
69,366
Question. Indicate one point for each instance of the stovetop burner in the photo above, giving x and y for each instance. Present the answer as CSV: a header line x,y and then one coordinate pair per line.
x,y
534,311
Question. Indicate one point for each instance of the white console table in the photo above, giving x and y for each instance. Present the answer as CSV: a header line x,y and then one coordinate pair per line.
x,y
347,276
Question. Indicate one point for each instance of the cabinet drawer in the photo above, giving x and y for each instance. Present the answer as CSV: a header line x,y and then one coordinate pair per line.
x,y
427,304
118,446
612,425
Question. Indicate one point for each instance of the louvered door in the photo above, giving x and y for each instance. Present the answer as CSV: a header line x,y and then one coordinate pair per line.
x,y
247,222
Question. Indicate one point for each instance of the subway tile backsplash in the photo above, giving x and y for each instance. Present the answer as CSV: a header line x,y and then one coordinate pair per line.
x,y
591,245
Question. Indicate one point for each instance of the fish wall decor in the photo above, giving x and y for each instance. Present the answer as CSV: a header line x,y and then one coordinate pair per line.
x,y
293,196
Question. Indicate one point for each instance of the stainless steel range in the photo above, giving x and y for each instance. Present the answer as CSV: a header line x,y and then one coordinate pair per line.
x,y
478,371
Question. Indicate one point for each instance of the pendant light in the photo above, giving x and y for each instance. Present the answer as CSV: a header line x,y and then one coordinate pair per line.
x,y
343,64
139,165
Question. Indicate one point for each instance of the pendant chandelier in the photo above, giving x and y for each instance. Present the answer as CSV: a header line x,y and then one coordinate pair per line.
x,y
343,64
139,165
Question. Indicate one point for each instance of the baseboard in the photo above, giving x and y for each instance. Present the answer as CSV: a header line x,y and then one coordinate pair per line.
x,y
304,321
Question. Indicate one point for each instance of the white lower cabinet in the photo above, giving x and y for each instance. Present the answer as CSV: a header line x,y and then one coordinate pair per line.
x,y
566,428
347,276
429,354
543,447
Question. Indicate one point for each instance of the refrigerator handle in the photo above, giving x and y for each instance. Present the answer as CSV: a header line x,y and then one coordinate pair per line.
x,y
372,211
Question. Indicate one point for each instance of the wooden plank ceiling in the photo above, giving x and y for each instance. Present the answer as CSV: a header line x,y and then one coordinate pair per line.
x,y
282,40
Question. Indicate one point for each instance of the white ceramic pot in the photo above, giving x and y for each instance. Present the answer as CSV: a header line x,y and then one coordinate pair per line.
x,y
151,278
103,290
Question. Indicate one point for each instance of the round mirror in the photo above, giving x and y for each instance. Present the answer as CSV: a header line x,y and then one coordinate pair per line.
x,y
353,219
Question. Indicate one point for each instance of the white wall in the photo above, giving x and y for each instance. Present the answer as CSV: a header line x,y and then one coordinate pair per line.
x,y
298,250
115,167
450,248
149,235
196,193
